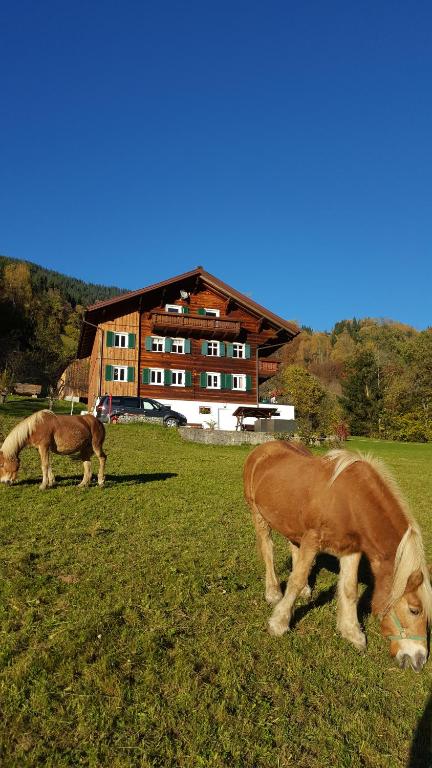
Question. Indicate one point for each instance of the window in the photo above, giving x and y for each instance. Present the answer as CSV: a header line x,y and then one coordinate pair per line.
x,y
213,348
156,376
119,373
211,312
178,378
121,340
174,309
238,350
157,344
239,381
178,345
213,380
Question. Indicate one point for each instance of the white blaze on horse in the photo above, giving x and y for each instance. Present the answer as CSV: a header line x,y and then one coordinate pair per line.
x,y
66,435
347,505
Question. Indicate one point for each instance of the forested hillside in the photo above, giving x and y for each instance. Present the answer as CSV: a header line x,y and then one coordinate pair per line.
x,y
374,376
40,320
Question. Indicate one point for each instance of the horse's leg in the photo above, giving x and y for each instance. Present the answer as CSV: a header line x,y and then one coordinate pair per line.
x,y
306,591
51,477
98,436
44,457
85,456
265,545
280,618
347,619
102,459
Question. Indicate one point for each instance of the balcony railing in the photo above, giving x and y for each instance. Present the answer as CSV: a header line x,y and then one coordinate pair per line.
x,y
216,326
267,368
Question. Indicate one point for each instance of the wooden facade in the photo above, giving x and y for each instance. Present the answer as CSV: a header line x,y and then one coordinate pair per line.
x,y
188,338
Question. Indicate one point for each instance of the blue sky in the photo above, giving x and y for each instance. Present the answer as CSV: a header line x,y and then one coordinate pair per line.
x,y
284,146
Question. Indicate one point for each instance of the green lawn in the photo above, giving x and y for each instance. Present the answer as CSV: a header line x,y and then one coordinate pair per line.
x,y
133,624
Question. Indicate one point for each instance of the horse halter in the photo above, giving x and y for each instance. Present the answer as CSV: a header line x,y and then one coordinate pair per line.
x,y
402,631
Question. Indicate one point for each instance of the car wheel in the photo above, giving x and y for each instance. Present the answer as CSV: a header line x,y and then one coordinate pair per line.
x,y
171,422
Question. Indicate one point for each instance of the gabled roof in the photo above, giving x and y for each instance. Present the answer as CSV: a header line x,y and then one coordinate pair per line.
x,y
92,312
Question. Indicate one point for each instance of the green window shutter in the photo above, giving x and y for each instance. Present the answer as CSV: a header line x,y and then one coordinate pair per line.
x,y
221,349
167,377
168,345
222,381
148,343
187,346
110,339
203,379
131,340
131,373
228,381
188,378
146,376
248,382
247,350
201,311
185,310
229,350
204,348
108,373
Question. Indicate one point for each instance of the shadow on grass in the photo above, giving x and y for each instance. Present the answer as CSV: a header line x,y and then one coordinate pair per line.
x,y
421,748
137,479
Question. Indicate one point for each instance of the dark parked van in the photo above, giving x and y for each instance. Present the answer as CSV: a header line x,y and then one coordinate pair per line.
x,y
109,408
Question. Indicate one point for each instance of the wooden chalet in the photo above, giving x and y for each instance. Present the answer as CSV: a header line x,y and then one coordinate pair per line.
x,y
191,338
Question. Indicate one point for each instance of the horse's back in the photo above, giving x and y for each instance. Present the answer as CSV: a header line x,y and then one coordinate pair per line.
x,y
270,456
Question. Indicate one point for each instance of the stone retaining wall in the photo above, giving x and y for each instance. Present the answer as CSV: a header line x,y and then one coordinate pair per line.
x,y
223,437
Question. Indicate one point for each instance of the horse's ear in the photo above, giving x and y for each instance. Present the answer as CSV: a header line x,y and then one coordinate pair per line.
x,y
414,581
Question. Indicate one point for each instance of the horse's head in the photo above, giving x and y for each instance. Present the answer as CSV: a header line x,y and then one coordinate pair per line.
x,y
406,624
8,468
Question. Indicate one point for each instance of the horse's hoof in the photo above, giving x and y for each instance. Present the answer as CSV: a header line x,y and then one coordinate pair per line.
x,y
273,596
306,593
277,628
42,487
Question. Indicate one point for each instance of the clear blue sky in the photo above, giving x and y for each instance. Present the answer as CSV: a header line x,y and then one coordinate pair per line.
x,y
285,146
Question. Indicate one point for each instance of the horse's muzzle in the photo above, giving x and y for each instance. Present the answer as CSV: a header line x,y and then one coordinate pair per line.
x,y
416,662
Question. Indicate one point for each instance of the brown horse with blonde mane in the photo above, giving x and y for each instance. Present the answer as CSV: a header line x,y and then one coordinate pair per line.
x,y
347,505
82,435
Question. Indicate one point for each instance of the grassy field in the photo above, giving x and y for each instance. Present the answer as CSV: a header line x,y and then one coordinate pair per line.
x,y
133,624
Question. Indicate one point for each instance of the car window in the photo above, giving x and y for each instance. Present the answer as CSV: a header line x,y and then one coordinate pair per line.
x,y
129,402
147,405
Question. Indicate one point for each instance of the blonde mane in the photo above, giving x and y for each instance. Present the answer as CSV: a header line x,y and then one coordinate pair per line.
x,y
410,556
17,439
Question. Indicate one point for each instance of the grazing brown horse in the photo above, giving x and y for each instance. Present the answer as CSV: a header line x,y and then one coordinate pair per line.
x,y
347,505
82,435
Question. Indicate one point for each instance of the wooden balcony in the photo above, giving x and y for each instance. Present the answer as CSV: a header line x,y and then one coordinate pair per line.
x,y
190,323
267,368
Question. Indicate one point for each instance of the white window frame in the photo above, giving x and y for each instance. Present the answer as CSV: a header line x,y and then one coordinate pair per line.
x,y
174,308
156,371
211,354
177,351
121,371
174,373
121,336
241,380
218,379
158,339
210,312
239,348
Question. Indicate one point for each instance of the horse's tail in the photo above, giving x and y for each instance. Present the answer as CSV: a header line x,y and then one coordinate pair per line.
x,y
19,437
